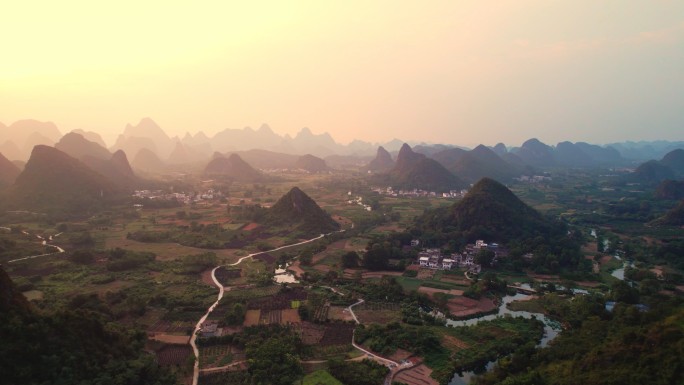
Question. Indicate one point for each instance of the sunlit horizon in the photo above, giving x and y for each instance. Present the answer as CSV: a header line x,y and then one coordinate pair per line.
x,y
460,73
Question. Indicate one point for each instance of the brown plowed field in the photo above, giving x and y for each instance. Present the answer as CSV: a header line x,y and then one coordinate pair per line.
x,y
171,355
430,291
252,317
417,375
290,316
463,307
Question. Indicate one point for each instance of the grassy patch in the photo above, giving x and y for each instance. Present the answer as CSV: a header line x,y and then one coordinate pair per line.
x,y
320,377
532,306
409,284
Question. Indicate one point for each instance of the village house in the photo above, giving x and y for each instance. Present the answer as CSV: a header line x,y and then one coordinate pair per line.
x,y
210,329
433,258
447,263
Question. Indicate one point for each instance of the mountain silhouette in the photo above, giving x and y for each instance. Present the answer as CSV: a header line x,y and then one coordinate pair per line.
x,y
300,212
233,167
53,181
416,171
382,162
8,172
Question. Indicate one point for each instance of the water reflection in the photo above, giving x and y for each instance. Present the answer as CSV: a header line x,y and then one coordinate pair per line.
x,y
551,330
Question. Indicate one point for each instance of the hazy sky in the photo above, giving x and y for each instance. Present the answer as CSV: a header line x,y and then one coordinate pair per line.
x,y
453,71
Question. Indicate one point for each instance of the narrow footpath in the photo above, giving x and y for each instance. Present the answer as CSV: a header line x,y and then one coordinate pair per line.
x,y
42,241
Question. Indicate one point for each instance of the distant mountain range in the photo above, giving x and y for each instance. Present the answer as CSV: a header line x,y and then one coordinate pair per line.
x,y
478,163
113,166
18,139
416,171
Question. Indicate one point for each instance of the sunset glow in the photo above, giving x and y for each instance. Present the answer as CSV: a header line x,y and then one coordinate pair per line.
x,y
459,72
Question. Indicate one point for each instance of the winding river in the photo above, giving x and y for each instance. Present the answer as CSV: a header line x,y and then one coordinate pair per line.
x,y
551,330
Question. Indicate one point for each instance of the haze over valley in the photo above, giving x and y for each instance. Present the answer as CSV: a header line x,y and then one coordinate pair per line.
x,y
447,193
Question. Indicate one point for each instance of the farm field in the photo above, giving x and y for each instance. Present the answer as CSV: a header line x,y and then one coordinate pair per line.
x,y
378,312
416,375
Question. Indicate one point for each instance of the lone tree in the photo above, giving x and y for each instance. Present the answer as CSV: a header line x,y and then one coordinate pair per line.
x,y
485,257
350,260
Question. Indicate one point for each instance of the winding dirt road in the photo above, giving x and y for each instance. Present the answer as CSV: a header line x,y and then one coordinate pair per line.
x,y
193,339
42,241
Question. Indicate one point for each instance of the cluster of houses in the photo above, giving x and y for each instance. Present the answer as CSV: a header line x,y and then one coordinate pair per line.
x,y
358,201
533,178
434,259
415,193
182,197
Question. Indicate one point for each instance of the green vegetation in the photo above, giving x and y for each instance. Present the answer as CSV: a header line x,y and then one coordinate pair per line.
x,y
74,345
320,377
491,211
640,347
387,339
366,372
147,268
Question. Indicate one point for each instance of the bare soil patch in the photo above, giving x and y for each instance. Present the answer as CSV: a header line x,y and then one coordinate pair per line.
x,y
431,291
455,279
544,277
453,343
380,274
296,269
463,307
605,259
290,316
388,228
251,226
417,375
170,338
339,313
399,355
425,274
588,283
658,271
377,312
590,248
322,268
206,278
252,318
